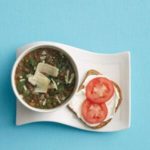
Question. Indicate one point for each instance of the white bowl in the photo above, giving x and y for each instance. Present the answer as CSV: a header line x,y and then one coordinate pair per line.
x,y
29,49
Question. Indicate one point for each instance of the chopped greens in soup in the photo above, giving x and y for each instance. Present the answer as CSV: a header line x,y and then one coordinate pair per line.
x,y
45,78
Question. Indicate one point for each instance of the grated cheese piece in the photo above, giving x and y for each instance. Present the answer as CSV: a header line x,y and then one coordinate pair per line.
x,y
48,69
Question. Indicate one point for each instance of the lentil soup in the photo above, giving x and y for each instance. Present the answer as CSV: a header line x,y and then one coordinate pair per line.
x,y
45,78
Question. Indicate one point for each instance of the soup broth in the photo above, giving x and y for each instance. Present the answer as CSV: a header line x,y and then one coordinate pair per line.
x,y
45,78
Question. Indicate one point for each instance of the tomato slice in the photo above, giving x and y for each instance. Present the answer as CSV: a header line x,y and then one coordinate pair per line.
x,y
94,113
99,90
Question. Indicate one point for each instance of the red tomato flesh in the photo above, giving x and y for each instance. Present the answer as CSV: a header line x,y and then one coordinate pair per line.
x,y
94,113
99,90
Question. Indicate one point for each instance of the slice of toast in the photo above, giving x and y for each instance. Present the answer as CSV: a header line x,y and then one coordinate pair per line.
x,y
104,123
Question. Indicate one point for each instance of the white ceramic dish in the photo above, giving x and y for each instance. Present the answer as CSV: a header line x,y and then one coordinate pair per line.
x,y
32,48
115,66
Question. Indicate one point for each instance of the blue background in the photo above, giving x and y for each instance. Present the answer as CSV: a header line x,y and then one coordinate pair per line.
x,y
100,26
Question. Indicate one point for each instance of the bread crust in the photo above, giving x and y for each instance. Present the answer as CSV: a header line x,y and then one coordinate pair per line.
x,y
104,123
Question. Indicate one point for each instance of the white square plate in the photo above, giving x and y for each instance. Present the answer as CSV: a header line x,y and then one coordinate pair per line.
x,y
115,66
